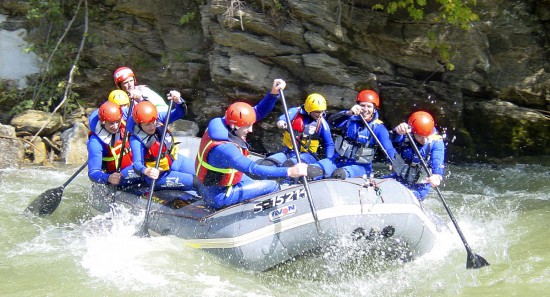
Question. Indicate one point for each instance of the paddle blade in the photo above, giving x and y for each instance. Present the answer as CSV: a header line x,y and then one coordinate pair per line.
x,y
143,231
47,202
475,261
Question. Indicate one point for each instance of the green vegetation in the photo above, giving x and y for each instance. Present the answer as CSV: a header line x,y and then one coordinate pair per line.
x,y
187,18
454,12
56,57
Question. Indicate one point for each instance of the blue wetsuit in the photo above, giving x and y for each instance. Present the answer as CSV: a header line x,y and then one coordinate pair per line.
x,y
229,155
433,152
322,133
97,144
354,145
179,175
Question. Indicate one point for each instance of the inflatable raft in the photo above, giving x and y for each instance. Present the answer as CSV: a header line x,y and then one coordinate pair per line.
x,y
272,229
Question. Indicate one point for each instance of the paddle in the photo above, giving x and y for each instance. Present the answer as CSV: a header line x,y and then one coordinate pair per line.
x,y
375,138
124,138
143,230
47,202
473,260
306,147
297,152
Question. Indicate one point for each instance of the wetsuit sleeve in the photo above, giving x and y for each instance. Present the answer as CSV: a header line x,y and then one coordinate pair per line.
x,y
138,154
93,119
396,138
95,161
384,136
265,106
438,157
176,113
229,156
337,119
291,114
326,136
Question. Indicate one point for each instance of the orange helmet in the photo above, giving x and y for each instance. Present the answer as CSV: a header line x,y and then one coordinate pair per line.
x,y
144,112
122,74
109,112
368,96
240,114
422,123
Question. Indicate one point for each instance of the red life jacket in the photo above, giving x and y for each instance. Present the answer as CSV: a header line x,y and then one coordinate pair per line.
x,y
210,175
152,143
110,161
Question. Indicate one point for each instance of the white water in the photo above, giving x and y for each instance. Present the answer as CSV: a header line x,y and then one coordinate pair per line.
x,y
15,62
503,213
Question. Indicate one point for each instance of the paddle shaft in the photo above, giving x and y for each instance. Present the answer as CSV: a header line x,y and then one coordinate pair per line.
x,y
309,150
124,138
376,138
75,174
477,261
297,152
143,230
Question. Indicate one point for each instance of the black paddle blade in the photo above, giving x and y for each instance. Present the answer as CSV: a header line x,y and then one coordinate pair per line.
x,y
475,261
47,202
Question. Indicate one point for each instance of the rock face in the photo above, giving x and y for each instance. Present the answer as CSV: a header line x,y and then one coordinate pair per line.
x,y
35,121
11,148
495,103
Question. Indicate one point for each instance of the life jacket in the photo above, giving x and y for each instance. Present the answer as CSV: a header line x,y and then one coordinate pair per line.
x,y
152,143
413,169
307,134
352,149
210,175
113,145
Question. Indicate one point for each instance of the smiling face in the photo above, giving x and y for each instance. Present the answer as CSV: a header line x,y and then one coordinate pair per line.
x,y
367,110
316,114
112,127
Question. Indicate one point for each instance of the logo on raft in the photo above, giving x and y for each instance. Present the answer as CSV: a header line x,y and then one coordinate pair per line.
x,y
280,200
282,212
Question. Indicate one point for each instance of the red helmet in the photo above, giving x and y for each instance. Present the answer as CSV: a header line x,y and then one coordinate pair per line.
x,y
144,112
422,123
240,114
109,112
368,96
122,74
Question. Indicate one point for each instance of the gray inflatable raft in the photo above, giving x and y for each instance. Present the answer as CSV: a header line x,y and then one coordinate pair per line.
x,y
272,229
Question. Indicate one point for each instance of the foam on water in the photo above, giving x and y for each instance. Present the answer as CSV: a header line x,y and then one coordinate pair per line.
x,y
98,256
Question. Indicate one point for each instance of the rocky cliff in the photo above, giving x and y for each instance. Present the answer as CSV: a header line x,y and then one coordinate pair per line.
x,y
495,103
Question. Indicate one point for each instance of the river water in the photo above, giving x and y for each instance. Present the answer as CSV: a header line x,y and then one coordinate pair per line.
x,y
503,211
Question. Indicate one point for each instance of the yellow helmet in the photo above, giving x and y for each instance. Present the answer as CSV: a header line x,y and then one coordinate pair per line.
x,y
119,97
315,102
